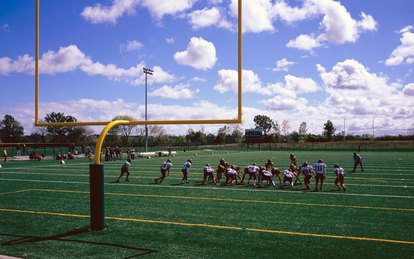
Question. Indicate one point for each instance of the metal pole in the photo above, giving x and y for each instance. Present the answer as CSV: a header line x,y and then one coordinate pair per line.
x,y
146,118
146,71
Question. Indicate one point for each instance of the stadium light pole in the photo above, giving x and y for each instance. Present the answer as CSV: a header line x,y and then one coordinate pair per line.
x,y
146,71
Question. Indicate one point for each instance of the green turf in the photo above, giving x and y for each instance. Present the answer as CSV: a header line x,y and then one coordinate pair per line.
x,y
214,221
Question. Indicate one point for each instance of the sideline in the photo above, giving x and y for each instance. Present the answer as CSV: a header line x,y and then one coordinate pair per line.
x,y
216,226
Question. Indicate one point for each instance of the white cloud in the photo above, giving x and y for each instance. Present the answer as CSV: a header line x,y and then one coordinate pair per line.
x,y
352,77
305,42
257,15
283,65
404,52
279,103
204,18
102,14
200,54
228,81
367,23
177,92
409,89
160,8
300,84
130,46
70,58
170,40
292,14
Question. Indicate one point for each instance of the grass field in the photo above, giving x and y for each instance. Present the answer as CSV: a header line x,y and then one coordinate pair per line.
x,y
44,210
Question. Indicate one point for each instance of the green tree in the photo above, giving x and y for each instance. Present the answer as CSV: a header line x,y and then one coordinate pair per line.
x,y
302,130
10,129
328,130
263,122
124,130
63,133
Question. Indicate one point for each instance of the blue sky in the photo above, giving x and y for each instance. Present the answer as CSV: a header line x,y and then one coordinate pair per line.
x,y
304,60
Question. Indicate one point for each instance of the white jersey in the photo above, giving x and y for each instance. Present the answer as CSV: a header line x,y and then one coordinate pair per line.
x,y
320,168
187,166
288,174
340,171
132,151
126,164
267,173
231,171
253,169
307,170
208,169
166,166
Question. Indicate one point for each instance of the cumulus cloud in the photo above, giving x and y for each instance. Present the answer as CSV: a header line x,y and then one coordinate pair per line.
x,y
178,92
5,27
70,58
352,77
200,54
102,14
130,46
280,103
257,15
354,91
228,81
409,89
305,42
208,17
110,14
405,52
160,8
283,65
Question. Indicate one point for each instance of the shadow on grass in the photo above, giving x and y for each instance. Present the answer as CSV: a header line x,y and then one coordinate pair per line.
x,y
33,239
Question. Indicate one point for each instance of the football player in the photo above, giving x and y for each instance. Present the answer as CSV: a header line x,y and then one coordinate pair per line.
x,y
165,167
307,171
320,169
124,169
357,160
231,175
208,172
296,172
252,171
339,171
288,176
266,175
186,170
221,169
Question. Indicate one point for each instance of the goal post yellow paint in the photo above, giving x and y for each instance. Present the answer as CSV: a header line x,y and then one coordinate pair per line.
x,y
149,122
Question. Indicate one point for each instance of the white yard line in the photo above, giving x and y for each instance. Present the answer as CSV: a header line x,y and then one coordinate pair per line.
x,y
215,188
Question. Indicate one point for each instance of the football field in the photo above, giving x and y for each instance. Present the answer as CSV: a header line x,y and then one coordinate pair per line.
x,y
44,210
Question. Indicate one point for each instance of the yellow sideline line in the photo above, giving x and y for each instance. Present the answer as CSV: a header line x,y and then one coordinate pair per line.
x,y
16,191
215,226
231,200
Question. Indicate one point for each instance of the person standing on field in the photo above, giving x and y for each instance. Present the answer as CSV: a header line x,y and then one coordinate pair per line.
x,y
124,169
357,160
186,170
339,171
5,154
165,167
320,169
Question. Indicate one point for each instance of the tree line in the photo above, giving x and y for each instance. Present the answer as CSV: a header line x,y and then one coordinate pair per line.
x,y
11,131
